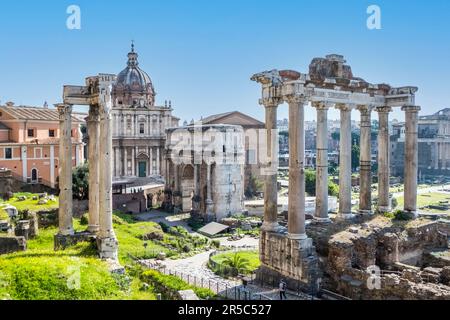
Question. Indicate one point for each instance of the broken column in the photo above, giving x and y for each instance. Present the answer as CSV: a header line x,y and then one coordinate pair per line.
x,y
65,170
411,158
365,168
384,203
345,163
93,162
321,212
296,209
106,241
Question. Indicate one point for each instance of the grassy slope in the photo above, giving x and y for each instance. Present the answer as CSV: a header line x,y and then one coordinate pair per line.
x,y
41,273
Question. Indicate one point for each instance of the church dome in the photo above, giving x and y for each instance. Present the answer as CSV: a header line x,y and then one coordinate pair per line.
x,y
133,86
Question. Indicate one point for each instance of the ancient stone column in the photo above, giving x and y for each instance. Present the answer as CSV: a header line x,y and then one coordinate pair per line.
x,y
270,182
411,158
65,214
384,203
321,212
93,124
209,202
365,167
296,206
345,163
106,240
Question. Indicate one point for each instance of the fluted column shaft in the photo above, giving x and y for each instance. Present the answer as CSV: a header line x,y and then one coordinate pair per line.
x,y
365,167
384,203
411,158
94,167
105,174
321,212
345,163
296,206
270,181
65,170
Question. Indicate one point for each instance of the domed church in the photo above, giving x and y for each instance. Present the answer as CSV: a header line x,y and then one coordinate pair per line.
x,y
138,124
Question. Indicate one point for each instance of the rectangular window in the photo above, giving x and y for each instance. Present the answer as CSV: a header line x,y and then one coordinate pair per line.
x,y
30,133
8,153
51,133
141,128
37,153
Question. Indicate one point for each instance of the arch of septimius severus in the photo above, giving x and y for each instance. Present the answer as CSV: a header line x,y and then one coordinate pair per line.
x,y
329,83
97,95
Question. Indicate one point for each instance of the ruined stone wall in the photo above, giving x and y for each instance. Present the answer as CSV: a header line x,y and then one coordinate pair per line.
x,y
279,254
355,251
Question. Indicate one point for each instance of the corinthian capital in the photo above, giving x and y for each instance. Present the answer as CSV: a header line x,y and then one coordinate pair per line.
x,y
411,108
94,113
295,99
64,110
321,105
344,107
271,102
384,109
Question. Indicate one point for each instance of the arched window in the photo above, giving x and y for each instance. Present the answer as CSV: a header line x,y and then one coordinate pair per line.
x,y
34,175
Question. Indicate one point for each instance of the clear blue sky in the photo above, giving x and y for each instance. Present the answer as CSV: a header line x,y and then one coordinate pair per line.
x,y
201,53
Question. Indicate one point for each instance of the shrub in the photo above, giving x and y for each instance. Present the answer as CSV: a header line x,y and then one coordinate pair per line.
x,y
165,228
400,215
169,285
215,243
84,221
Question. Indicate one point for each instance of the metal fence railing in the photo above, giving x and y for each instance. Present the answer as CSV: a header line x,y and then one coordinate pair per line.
x,y
232,291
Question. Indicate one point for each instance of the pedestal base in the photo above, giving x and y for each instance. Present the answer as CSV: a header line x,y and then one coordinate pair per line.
x,y
271,227
107,248
384,209
322,220
345,216
366,212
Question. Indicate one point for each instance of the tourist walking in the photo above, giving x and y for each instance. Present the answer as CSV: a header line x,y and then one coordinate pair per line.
x,y
283,290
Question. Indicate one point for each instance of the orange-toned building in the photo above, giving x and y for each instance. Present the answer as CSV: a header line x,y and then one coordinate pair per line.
x,y
29,143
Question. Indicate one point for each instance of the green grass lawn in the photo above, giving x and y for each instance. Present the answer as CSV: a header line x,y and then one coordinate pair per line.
x,y
427,199
251,256
40,273
29,203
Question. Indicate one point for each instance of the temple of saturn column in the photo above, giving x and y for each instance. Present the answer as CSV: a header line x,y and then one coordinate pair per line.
x,y
328,84
96,94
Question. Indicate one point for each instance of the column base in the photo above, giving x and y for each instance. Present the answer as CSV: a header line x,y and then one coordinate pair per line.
x,y
270,227
411,213
321,220
93,228
294,236
345,216
366,212
107,248
384,209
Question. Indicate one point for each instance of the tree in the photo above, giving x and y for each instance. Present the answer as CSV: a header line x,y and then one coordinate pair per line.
x,y
310,184
254,185
355,156
237,262
80,182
